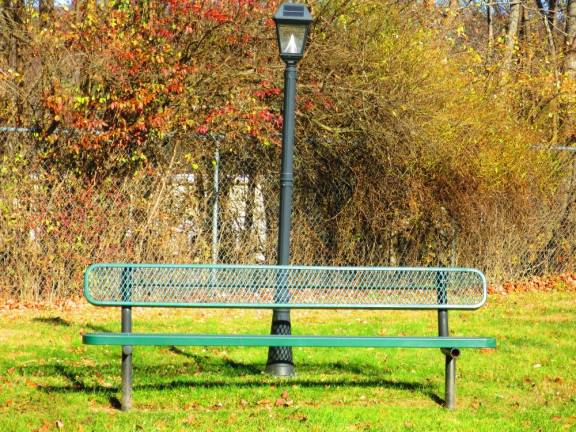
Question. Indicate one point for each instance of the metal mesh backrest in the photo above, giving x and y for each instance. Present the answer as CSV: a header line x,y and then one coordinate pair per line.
x,y
283,286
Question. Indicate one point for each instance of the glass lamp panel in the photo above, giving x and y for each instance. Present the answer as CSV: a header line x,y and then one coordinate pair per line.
x,y
291,38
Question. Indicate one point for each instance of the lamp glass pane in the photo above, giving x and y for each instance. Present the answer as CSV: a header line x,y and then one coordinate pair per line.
x,y
291,38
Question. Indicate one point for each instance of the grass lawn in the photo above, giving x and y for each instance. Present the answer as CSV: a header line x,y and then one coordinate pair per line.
x,y
50,381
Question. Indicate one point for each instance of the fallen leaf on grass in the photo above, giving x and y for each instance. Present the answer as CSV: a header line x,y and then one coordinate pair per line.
x,y
299,417
264,402
31,384
244,402
487,350
217,406
46,425
283,402
59,424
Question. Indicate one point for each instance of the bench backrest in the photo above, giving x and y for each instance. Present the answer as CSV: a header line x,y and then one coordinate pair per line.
x,y
250,286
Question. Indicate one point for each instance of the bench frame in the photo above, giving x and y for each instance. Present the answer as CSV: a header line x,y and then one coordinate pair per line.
x,y
449,346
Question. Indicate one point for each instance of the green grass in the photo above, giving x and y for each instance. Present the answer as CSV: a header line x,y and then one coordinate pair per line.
x,y
527,383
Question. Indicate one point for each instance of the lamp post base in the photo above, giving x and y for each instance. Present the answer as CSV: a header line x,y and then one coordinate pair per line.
x,y
280,362
281,370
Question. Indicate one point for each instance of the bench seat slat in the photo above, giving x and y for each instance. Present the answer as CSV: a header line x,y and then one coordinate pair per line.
x,y
155,339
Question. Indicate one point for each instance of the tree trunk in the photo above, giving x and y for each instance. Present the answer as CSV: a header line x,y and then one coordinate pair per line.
x,y
5,23
426,3
490,24
511,36
452,11
569,126
570,59
554,111
45,9
45,6
524,31
13,11
551,13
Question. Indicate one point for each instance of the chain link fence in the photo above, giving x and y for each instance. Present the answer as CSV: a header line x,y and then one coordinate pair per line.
x,y
220,205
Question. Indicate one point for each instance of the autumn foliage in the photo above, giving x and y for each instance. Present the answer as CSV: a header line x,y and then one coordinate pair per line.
x,y
142,74
410,151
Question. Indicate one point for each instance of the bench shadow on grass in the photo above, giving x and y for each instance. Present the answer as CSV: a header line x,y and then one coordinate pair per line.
x,y
58,321
54,320
235,368
250,374
231,374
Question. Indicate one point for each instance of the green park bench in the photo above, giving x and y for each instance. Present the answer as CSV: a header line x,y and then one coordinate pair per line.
x,y
284,287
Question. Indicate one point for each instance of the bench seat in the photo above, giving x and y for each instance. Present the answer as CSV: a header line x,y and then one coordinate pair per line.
x,y
157,339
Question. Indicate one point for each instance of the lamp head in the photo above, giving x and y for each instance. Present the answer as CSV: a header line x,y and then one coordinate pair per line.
x,y
292,24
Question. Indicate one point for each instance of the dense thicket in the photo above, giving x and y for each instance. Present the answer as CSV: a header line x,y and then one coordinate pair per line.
x,y
421,136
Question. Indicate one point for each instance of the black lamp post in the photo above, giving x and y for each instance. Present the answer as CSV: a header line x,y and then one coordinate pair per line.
x,y
292,24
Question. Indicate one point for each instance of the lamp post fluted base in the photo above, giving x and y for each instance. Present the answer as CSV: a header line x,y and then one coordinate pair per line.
x,y
281,370
280,362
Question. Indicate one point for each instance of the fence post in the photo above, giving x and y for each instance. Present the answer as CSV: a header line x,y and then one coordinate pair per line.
x,y
215,202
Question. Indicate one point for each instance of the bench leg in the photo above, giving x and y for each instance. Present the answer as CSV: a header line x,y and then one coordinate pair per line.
x,y
450,354
450,384
126,403
126,378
